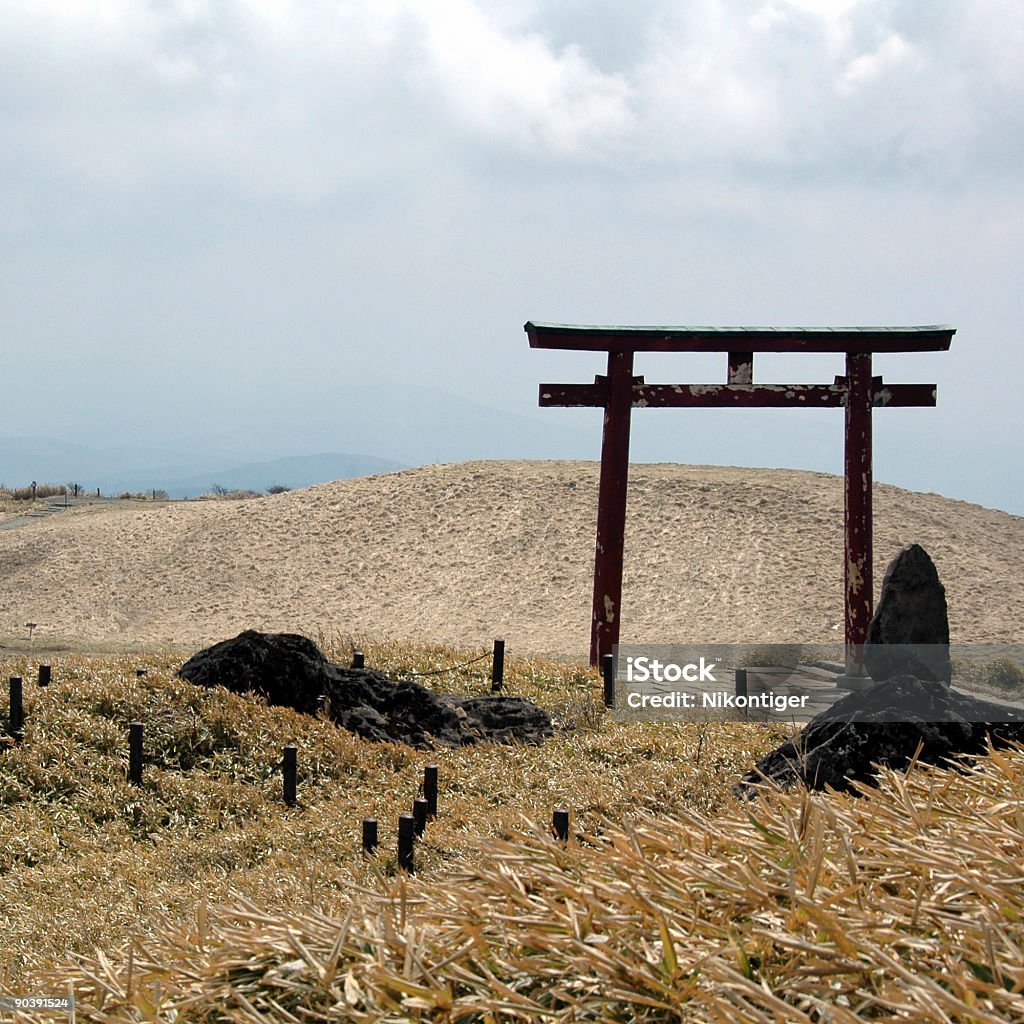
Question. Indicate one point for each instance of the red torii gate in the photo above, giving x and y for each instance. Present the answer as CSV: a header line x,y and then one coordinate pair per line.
x,y
619,391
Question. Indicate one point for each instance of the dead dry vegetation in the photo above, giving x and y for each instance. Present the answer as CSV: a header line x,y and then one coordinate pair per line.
x,y
201,897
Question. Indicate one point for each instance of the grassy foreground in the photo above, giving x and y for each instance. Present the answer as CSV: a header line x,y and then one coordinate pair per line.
x,y
201,897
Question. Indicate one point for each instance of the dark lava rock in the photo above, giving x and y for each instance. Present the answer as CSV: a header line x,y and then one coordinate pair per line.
x,y
883,725
506,718
909,634
287,669
291,671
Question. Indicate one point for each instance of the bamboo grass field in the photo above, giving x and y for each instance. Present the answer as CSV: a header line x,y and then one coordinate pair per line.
x,y
200,896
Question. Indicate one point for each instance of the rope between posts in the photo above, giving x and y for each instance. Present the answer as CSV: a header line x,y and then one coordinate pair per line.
x,y
454,668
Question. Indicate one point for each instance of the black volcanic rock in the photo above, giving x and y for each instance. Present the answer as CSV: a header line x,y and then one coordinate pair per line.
x,y
290,671
909,633
505,719
884,725
287,669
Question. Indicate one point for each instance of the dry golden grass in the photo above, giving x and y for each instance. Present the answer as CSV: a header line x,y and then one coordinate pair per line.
x,y
201,897
16,507
87,859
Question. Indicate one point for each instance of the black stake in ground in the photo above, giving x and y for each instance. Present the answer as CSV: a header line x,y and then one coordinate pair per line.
x,y
290,765
44,675
498,666
430,789
741,682
419,815
358,659
608,673
560,824
369,836
17,715
135,753
406,830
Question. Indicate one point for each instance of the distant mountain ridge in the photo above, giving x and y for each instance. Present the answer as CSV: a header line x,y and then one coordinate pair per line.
x,y
181,475
242,442
293,472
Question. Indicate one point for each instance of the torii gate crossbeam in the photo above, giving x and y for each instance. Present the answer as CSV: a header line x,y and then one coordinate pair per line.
x,y
619,392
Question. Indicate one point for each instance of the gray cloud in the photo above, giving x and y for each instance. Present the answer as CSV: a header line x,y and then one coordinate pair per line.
x,y
300,100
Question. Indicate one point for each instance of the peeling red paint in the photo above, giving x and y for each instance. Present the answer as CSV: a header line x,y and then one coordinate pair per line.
x,y
857,505
713,396
611,507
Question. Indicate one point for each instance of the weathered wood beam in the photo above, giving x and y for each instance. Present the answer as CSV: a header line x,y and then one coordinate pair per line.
x,y
710,396
575,395
739,339
740,368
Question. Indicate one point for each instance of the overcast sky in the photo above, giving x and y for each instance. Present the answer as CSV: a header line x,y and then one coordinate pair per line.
x,y
206,200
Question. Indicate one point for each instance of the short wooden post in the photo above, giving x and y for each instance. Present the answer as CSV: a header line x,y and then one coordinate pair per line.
x,y
406,828
419,815
358,659
290,765
741,682
608,672
45,672
498,666
560,824
135,753
430,789
369,837
17,715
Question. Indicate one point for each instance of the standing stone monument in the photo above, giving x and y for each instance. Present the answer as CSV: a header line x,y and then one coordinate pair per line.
x,y
909,712
909,633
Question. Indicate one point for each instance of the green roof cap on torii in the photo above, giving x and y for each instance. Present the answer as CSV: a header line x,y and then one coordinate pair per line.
x,y
738,339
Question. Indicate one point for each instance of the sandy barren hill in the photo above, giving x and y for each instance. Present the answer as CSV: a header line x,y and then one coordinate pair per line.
x,y
462,553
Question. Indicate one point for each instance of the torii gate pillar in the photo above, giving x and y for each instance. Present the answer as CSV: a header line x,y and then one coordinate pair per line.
x,y
858,392
611,507
858,587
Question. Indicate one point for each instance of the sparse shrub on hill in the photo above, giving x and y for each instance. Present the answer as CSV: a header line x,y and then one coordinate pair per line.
x,y
151,495
222,492
25,493
278,489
